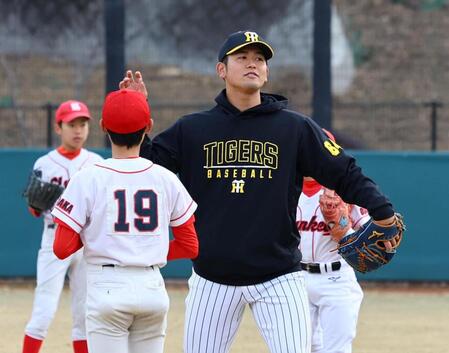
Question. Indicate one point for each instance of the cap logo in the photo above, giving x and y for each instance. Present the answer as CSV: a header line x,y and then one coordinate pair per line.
x,y
251,36
75,106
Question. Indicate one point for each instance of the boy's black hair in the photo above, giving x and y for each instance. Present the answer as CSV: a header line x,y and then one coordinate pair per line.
x,y
129,140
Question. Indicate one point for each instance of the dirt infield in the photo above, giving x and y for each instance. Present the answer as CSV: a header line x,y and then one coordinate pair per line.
x,y
399,319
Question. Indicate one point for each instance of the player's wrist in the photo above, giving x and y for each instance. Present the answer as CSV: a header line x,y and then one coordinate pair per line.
x,y
387,222
35,212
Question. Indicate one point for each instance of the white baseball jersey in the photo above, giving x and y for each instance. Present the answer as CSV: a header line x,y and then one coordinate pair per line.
x,y
316,242
122,209
58,169
51,271
334,296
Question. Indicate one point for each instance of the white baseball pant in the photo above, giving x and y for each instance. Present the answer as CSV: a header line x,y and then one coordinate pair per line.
x,y
335,299
50,278
126,309
280,308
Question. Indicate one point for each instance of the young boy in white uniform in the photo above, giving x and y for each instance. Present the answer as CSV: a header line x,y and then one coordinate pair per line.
x,y
58,166
120,211
334,293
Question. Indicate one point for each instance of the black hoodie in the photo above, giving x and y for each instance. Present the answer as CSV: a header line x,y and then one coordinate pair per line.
x,y
245,171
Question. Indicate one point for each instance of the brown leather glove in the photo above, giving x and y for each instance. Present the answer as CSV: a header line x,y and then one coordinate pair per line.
x,y
335,213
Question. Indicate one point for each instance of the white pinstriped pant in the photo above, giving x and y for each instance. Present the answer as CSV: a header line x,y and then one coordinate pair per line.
x,y
280,308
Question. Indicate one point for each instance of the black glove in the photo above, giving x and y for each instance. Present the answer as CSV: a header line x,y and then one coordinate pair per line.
x,y
41,195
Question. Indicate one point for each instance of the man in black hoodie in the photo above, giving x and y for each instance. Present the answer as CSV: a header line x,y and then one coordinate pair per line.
x,y
243,162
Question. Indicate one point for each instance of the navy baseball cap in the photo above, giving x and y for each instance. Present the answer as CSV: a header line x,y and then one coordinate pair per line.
x,y
241,39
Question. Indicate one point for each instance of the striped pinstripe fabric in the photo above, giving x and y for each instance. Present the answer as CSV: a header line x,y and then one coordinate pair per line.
x,y
280,308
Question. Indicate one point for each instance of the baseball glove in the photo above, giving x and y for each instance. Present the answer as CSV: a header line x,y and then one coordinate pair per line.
x,y
364,249
41,195
335,213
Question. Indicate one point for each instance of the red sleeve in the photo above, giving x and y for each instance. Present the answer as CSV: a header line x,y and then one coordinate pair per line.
x,y
34,212
185,244
67,241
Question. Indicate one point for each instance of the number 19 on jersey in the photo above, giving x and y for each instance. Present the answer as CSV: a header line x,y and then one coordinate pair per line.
x,y
132,211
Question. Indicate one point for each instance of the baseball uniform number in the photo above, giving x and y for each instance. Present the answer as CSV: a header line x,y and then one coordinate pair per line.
x,y
145,211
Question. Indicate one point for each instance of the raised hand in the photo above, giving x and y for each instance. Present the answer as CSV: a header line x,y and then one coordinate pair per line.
x,y
134,82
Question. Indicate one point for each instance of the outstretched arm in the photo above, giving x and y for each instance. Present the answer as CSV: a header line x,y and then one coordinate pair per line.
x,y
327,162
162,152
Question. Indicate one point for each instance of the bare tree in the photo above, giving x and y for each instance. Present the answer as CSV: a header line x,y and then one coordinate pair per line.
x,y
47,18
197,26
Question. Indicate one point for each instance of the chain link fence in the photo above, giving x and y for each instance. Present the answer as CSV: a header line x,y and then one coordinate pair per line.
x,y
381,126
422,126
390,64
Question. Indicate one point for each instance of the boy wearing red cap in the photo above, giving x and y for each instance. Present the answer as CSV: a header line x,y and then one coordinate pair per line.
x,y
58,166
120,210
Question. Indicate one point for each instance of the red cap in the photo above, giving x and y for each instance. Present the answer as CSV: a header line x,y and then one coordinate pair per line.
x,y
125,111
71,110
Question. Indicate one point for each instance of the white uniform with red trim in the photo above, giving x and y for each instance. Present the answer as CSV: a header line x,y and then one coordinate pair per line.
x,y
334,293
122,209
51,271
